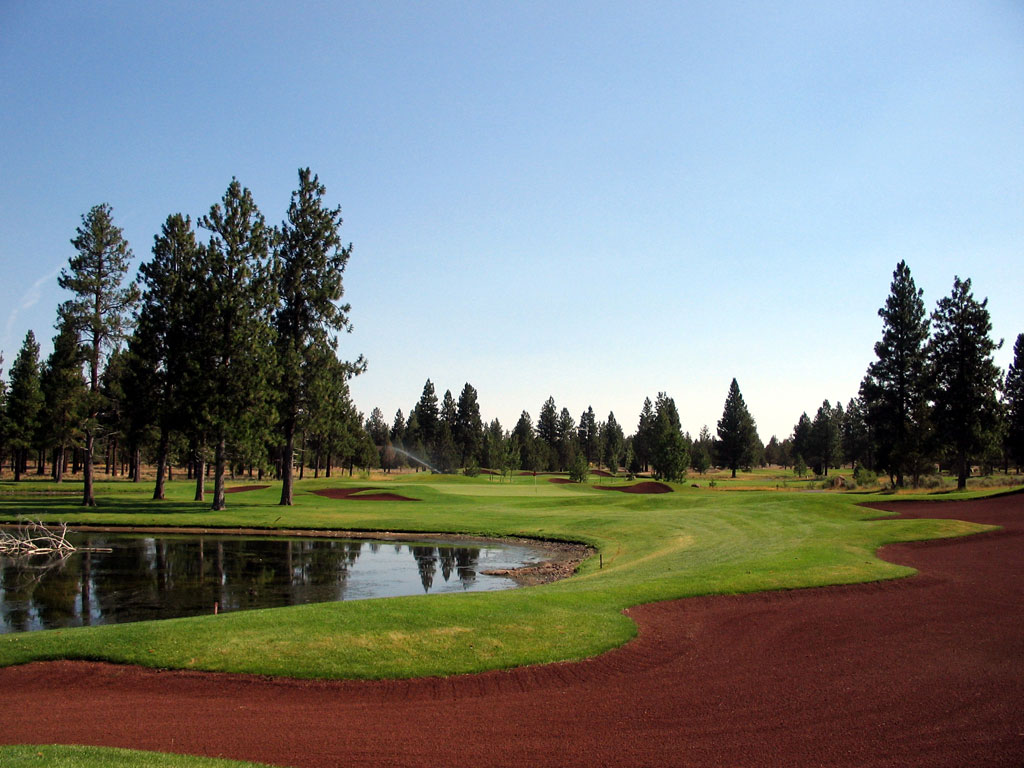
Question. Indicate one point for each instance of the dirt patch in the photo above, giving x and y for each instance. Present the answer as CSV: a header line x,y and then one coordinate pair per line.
x,y
925,671
601,473
649,486
361,494
243,488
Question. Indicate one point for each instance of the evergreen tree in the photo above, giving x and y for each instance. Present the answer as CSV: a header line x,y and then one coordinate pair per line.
x,y
468,426
1014,393
494,445
238,297
428,419
669,453
966,378
736,429
896,388
164,347
63,392
3,415
701,451
523,438
824,438
588,437
854,437
99,310
567,446
24,404
802,437
311,262
547,423
644,438
397,438
613,442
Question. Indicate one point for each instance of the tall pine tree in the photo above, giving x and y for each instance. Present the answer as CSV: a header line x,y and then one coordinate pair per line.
x,y
736,430
24,404
238,298
1014,394
98,312
312,261
966,378
896,388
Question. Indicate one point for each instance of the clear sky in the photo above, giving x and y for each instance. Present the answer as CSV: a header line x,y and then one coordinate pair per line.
x,y
593,201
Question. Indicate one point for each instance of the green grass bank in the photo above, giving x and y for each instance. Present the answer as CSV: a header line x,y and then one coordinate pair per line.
x,y
694,541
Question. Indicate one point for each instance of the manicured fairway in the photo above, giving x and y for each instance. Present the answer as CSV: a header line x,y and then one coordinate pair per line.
x,y
926,671
652,547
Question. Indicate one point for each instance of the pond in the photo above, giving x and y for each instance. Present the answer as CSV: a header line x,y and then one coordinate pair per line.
x,y
166,576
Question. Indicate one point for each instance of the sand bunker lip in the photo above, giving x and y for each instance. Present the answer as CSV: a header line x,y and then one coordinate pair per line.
x,y
368,493
649,486
243,488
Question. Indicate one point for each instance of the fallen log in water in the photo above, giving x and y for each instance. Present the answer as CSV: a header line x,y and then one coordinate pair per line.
x,y
34,538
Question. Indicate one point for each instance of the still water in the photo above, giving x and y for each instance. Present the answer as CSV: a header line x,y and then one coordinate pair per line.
x,y
161,577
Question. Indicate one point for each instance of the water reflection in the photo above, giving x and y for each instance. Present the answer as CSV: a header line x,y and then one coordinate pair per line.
x,y
149,577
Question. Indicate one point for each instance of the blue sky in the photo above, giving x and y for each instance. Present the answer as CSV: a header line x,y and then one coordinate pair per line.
x,y
593,201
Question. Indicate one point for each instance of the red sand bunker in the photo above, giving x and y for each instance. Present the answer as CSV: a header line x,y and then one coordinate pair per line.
x,y
361,494
649,486
925,671
242,488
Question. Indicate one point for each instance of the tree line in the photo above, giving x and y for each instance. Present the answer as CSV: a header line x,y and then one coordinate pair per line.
x,y
932,399
222,350
221,357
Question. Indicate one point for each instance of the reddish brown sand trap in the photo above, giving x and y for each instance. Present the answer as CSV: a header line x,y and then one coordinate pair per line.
x,y
926,671
360,494
241,488
648,487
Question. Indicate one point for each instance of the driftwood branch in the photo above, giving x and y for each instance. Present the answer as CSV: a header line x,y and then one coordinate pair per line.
x,y
33,538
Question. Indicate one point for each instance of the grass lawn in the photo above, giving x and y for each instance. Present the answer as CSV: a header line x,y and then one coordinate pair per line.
x,y
57,756
654,547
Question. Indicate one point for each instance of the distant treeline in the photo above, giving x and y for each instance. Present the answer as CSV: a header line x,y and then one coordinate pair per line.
x,y
224,350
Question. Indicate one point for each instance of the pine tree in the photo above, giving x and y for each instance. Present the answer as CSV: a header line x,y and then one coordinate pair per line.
x,y
99,310
238,297
1013,390
966,378
896,388
63,392
588,436
428,418
24,404
613,443
312,261
468,426
163,351
736,430
824,438
670,455
644,438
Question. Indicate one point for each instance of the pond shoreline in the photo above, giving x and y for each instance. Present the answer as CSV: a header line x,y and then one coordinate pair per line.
x,y
565,557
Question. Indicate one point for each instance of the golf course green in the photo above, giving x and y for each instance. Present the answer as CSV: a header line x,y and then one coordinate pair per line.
x,y
734,538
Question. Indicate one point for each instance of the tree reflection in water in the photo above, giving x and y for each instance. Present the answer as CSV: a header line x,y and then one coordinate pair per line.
x,y
147,577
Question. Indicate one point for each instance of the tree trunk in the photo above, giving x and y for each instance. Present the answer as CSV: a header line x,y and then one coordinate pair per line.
x,y
16,464
200,474
287,455
218,476
962,471
58,463
41,462
88,500
161,463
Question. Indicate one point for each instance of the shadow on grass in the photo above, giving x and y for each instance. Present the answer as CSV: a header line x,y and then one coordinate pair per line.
x,y
35,507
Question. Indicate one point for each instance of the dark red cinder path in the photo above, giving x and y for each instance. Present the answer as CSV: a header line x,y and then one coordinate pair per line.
x,y
925,671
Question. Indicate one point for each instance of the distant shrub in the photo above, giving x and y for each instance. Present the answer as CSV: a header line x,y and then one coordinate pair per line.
x,y
473,470
930,482
579,470
865,477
